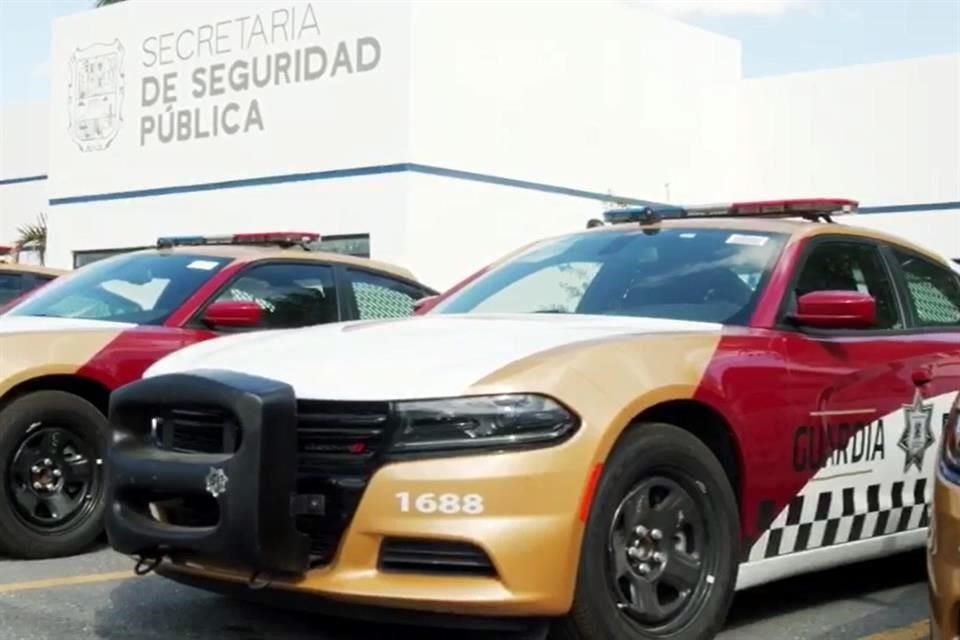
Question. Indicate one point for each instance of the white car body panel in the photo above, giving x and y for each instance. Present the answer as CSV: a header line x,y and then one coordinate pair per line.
x,y
420,357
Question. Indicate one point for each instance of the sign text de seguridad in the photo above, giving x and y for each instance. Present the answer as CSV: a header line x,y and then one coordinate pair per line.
x,y
208,100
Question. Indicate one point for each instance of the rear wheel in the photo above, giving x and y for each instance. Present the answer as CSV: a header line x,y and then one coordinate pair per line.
x,y
660,553
52,498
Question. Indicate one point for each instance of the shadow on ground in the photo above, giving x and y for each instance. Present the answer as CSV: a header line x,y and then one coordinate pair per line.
x,y
156,609
856,583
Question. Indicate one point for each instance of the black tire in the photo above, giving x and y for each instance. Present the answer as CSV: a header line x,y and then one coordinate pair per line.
x,y
68,432
650,458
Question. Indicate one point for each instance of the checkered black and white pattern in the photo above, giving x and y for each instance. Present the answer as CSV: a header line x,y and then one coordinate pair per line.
x,y
377,302
833,517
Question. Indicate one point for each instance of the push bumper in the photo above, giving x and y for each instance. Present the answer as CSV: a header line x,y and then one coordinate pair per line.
x,y
246,492
943,561
514,556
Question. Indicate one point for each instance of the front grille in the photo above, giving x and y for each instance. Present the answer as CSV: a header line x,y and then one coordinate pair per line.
x,y
197,430
434,557
339,447
333,436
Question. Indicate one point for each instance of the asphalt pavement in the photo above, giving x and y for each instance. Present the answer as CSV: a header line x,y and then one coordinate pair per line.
x,y
95,596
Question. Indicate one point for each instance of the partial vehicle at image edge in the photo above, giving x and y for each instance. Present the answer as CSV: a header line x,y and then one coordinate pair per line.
x,y
943,543
68,345
18,280
607,433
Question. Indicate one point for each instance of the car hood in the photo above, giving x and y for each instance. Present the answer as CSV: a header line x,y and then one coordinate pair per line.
x,y
419,357
40,324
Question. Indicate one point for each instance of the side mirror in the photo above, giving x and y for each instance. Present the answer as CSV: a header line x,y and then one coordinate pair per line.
x,y
836,310
424,304
230,314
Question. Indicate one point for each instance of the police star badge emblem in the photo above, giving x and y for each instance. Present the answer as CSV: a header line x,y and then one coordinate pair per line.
x,y
216,482
917,436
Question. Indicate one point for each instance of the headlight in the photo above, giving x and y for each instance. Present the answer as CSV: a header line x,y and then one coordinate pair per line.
x,y
950,450
482,422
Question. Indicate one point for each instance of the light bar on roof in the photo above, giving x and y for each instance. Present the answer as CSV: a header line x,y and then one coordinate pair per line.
x,y
809,208
294,237
282,238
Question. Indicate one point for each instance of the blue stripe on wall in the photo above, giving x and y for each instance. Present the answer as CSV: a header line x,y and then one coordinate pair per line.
x,y
904,208
4,181
349,173
412,167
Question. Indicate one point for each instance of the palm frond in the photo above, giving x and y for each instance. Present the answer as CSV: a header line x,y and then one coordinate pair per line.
x,y
33,234
102,3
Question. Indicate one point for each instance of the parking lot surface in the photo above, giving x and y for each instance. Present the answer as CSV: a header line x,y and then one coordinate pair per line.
x,y
96,596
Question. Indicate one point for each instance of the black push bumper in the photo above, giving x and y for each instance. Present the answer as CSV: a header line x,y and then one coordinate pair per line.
x,y
242,493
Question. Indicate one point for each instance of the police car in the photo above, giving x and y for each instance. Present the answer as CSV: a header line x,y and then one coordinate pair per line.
x,y
67,345
607,433
17,280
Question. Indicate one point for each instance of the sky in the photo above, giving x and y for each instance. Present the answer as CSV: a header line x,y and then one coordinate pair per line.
x,y
778,36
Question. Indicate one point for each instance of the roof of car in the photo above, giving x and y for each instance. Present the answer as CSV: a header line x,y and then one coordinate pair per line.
x,y
31,268
248,253
794,228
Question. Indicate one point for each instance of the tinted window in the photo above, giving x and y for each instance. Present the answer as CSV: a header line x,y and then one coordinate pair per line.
x,y
850,266
290,294
10,286
33,280
934,291
689,274
141,288
382,297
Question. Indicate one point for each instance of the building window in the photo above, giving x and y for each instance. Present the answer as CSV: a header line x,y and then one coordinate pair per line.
x,y
351,244
82,258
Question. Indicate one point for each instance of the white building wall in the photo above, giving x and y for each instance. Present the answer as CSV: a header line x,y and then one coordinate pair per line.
x,y
884,134
458,226
596,95
23,165
432,151
374,204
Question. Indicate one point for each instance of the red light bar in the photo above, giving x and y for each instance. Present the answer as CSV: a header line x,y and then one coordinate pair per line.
x,y
282,238
292,237
795,206
809,208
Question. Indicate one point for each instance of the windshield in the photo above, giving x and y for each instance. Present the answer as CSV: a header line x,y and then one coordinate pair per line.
x,y
709,275
139,288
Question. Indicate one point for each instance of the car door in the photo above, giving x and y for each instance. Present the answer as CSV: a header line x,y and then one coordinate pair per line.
x,y
863,444
931,294
290,294
370,295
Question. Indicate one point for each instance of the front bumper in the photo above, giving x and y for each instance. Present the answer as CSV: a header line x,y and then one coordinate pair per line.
x,y
372,538
943,560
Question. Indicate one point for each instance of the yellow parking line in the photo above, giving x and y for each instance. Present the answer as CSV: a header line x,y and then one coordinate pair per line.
x,y
916,631
65,581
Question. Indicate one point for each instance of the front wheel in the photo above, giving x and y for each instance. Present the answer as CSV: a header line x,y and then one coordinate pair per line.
x,y
660,554
51,498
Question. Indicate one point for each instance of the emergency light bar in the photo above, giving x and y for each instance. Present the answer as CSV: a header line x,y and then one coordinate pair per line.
x,y
810,209
282,238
